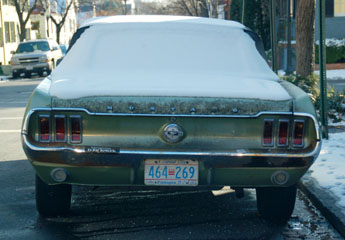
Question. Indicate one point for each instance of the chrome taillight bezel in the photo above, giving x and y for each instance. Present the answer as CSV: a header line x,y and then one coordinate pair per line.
x,y
40,117
78,118
271,144
303,133
287,132
65,128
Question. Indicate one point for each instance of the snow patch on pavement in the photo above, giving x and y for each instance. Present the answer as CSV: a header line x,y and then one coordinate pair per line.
x,y
329,168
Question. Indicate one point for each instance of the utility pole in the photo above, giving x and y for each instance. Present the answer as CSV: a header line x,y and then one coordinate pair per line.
x,y
288,64
273,32
322,61
94,14
3,33
243,6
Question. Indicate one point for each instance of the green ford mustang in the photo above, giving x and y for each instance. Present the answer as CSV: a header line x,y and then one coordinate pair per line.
x,y
169,101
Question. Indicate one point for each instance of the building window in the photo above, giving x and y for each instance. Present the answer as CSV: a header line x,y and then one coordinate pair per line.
x,y
13,32
10,32
329,8
7,32
28,33
1,42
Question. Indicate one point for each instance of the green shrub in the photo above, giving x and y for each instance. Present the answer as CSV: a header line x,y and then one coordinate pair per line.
x,y
335,51
335,100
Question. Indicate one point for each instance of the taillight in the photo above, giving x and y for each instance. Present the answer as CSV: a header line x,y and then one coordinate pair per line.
x,y
44,127
298,133
75,129
60,128
268,132
283,133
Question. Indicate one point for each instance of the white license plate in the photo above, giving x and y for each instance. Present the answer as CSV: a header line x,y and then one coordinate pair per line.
x,y
29,67
171,172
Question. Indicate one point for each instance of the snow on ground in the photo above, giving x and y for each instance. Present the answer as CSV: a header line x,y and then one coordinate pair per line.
x,y
3,79
329,168
338,74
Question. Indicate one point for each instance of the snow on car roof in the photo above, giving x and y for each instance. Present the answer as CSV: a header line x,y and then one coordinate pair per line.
x,y
160,18
165,56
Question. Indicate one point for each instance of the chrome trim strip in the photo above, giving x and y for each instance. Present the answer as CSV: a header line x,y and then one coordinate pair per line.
x,y
288,132
267,120
315,151
40,128
293,133
78,117
55,128
26,120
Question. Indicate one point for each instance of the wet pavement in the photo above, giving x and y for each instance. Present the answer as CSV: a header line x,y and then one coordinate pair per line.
x,y
108,213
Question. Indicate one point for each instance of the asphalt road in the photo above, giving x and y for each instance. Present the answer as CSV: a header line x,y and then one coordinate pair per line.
x,y
110,213
338,85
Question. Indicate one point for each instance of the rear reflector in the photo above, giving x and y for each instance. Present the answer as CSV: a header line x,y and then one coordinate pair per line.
x,y
298,133
76,129
60,128
44,126
268,132
283,139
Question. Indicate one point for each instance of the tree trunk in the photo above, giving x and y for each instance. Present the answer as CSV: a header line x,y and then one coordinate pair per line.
x,y
305,23
58,30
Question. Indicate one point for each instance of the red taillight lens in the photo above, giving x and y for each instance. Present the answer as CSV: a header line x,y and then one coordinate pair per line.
x,y
44,125
283,139
76,129
268,133
298,133
60,127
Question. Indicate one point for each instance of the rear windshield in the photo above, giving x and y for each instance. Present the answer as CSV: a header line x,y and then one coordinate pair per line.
x,y
33,46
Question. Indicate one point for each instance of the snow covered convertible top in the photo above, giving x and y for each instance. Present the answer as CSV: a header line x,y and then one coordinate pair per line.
x,y
165,56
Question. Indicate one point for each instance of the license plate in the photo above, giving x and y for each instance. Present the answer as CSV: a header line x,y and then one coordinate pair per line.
x,y
29,67
171,172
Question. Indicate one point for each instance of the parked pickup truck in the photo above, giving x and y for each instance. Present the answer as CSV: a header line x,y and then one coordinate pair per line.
x,y
36,56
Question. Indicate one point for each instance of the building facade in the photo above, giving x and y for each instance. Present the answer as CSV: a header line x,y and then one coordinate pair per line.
x,y
9,31
44,26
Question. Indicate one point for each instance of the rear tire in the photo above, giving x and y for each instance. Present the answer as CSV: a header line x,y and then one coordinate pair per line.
x,y
276,204
52,200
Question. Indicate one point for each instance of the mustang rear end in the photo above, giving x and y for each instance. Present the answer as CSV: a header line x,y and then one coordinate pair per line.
x,y
169,121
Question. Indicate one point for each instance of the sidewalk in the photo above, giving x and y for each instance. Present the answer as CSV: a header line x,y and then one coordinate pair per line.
x,y
3,78
324,183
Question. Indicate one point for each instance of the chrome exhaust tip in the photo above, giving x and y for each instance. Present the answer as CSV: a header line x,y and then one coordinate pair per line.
x,y
59,174
280,177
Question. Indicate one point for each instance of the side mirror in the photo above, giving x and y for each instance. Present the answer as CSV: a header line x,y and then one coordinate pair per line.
x,y
55,48
12,52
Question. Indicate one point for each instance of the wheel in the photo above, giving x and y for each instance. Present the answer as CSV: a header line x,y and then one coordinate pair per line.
x,y
41,73
52,200
28,75
276,203
15,75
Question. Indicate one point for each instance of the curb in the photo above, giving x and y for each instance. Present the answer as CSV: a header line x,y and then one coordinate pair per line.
x,y
324,202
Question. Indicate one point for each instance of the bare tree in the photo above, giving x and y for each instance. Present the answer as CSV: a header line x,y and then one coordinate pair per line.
x,y
151,8
24,11
189,7
62,10
305,18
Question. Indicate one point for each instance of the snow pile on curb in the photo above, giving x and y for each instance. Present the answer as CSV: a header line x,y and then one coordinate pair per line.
x,y
329,168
